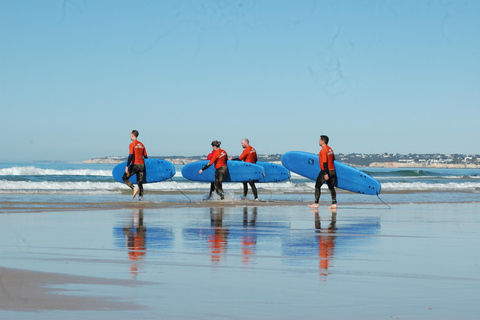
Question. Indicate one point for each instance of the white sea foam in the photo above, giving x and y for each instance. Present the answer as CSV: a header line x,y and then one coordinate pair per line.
x,y
421,186
33,171
115,186
55,185
9,187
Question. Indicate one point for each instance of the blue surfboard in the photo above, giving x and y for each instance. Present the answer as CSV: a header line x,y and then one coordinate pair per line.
x,y
238,171
273,172
348,177
156,170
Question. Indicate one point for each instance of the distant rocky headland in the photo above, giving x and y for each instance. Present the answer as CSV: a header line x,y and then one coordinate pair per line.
x,y
385,160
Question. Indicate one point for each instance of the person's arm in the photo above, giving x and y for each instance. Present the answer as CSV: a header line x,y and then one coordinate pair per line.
x,y
244,155
206,167
325,166
214,157
324,163
129,161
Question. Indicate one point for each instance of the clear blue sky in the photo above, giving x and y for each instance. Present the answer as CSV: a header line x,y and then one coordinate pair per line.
x,y
76,76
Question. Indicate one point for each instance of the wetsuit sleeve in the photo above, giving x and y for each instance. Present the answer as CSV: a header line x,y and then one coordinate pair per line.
x,y
214,157
325,166
206,167
129,161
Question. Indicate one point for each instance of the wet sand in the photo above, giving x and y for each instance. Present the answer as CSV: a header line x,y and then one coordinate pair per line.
x,y
241,261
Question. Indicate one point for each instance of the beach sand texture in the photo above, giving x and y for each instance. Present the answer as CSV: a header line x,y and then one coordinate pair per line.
x,y
417,261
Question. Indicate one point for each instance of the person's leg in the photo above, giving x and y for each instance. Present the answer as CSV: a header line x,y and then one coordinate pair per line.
x,y
212,188
220,174
318,185
254,190
140,175
136,169
245,189
126,177
331,187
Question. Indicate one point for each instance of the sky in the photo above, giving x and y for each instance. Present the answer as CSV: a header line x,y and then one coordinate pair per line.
x,y
394,76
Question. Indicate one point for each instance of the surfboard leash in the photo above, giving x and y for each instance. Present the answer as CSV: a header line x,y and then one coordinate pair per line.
x,y
378,196
295,188
175,184
269,188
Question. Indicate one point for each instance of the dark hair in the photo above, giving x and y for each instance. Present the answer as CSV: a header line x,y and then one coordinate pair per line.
x,y
135,133
324,138
216,143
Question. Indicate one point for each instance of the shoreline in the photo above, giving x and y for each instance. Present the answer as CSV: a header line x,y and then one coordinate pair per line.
x,y
34,207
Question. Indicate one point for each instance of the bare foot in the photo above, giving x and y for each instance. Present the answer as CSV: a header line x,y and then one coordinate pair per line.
x,y
135,192
333,207
315,205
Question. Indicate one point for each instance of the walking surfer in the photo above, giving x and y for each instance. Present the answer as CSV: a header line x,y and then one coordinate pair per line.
x,y
219,158
249,154
135,164
327,173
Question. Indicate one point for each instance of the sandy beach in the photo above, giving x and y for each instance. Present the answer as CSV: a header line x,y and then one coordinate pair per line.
x,y
241,261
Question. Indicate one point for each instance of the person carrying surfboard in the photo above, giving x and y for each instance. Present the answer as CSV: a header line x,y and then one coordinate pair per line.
x,y
135,164
327,172
219,158
249,154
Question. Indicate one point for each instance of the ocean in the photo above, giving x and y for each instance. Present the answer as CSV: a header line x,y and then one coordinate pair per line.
x,y
79,182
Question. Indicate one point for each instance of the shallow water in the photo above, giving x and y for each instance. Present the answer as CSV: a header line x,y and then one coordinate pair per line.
x,y
56,181
365,262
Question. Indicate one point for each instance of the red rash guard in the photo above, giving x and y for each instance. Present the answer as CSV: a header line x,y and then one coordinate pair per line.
x,y
249,154
137,149
219,158
326,158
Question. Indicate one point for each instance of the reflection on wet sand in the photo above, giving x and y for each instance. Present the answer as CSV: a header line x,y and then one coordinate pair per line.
x,y
249,235
326,242
135,235
218,240
226,235
372,261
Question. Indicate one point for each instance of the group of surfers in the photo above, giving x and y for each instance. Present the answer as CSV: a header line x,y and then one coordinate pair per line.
x,y
218,158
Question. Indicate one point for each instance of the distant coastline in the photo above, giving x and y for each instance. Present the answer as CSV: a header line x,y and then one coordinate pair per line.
x,y
434,161
423,165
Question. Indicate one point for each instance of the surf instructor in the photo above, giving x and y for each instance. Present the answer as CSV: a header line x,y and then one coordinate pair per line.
x,y
219,158
327,172
135,164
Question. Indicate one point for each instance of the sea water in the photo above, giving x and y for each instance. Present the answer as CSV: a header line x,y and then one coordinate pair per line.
x,y
67,181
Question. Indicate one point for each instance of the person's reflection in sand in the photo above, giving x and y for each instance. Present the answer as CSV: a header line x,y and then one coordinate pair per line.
x,y
135,235
252,221
249,235
326,242
217,241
